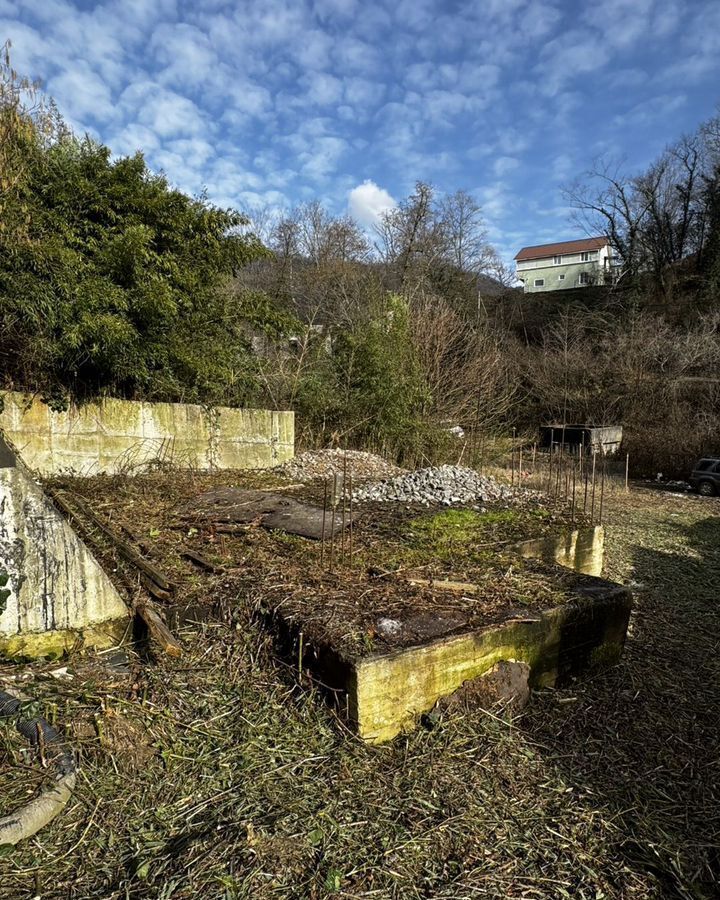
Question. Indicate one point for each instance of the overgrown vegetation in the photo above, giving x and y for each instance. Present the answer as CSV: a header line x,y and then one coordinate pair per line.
x,y
112,282
225,775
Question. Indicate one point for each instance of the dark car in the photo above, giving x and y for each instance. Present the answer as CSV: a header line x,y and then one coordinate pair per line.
x,y
705,477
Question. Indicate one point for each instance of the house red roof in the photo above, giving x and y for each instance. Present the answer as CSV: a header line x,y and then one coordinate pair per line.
x,y
543,250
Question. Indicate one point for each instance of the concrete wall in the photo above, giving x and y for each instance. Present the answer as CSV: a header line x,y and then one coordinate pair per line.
x,y
52,590
581,549
124,435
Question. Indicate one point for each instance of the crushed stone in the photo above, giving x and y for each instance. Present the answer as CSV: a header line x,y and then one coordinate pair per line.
x,y
323,463
438,484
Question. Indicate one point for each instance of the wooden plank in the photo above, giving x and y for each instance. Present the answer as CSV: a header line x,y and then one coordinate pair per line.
x,y
203,563
459,587
125,550
157,628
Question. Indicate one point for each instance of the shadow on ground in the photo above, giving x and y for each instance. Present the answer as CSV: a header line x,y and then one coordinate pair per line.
x,y
645,737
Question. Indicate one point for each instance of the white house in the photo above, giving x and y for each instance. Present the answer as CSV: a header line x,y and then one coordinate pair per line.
x,y
568,264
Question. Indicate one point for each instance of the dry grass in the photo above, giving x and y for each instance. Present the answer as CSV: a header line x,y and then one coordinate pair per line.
x,y
223,775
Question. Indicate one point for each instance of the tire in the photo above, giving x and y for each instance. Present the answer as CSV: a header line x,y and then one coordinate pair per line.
x,y
706,489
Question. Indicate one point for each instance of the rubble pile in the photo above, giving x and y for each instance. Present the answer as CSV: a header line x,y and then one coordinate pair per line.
x,y
324,463
441,484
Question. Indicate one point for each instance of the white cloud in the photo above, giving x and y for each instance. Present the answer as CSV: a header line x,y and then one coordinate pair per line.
x,y
569,57
166,113
505,164
367,202
82,93
322,89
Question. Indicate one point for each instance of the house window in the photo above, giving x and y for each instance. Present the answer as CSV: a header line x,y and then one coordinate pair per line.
x,y
561,278
584,278
557,260
539,282
588,255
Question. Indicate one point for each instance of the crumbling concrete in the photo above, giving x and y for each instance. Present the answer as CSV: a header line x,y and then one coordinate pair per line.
x,y
118,436
52,590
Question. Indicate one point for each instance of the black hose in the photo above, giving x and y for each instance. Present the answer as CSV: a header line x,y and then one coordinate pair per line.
x,y
38,731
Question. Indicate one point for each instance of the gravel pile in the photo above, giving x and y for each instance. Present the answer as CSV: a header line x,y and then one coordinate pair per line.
x,y
321,463
441,484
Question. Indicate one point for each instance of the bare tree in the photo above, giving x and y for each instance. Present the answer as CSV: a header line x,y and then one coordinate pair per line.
x,y
464,233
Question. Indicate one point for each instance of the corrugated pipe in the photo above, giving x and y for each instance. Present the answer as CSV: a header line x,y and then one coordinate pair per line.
x,y
34,815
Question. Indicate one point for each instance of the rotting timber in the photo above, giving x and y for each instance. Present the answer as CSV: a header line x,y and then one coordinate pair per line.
x,y
376,621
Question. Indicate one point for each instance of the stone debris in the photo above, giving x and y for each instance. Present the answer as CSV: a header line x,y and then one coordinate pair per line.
x,y
324,463
442,484
506,684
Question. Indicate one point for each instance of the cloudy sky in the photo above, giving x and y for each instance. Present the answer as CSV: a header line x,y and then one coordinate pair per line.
x,y
351,101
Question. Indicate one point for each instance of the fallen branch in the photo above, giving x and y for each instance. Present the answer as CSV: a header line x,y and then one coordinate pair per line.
x,y
203,563
125,550
159,631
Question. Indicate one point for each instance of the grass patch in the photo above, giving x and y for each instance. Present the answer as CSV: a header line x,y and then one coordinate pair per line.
x,y
224,775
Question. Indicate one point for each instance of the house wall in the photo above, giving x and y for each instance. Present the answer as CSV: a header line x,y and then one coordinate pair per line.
x,y
123,435
571,267
550,273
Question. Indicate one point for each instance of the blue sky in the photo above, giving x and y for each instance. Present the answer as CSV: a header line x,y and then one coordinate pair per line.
x,y
350,102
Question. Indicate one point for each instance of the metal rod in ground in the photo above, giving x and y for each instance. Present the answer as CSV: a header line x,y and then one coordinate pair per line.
x,y
350,525
572,505
592,501
322,539
585,476
333,500
520,466
627,472
552,434
512,459
602,488
344,510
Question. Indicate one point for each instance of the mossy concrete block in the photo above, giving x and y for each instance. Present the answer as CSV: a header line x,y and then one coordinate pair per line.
x,y
29,416
55,583
76,453
119,418
77,420
242,455
388,692
35,452
580,549
158,420
283,428
188,453
39,645
194,422
252,425
119,435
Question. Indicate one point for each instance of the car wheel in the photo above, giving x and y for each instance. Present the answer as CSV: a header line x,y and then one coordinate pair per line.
x,y
706,488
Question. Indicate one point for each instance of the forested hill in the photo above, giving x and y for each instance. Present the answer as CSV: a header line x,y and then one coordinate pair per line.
x,y
112,282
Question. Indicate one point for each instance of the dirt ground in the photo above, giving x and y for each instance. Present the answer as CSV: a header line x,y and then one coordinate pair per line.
x,y
223,774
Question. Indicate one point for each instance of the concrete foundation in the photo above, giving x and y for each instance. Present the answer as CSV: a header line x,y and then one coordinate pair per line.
x,y
387,693
53,593
118,436
582,549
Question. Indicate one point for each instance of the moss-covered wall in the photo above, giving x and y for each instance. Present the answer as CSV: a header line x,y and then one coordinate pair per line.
x,y
387,693
582,549
53,590
122,435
